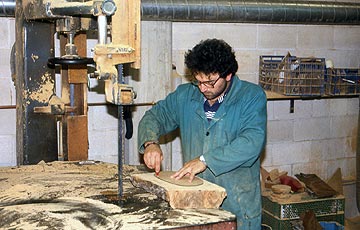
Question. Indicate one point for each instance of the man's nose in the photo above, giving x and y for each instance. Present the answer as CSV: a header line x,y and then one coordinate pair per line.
x,y
202,88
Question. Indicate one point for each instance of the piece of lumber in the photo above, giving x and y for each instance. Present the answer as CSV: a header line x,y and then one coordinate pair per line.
x,y
207,195
77,138
335,181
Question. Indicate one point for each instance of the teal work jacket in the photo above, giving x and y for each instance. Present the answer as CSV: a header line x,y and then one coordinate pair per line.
x,y
231,142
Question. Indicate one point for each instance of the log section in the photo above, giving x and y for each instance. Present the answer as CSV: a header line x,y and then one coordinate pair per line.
x,y
207,195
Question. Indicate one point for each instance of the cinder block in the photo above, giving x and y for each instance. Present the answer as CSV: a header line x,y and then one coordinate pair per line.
x,y
270,110
319,150
352,107
280,131
288,153
6,92
103,118
266,156
246,60
350,146
4,31
343,126
320,108
7,150
103,144
277,36
339,148
11,30
282,110
333,165
308,37
178,58
186,35
302,109
7,122
96,92
311,129
346,37
5,57
242,36
338,107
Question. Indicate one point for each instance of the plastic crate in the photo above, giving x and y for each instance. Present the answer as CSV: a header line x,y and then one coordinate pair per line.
x,y
279,214
291,76
342,81
287,224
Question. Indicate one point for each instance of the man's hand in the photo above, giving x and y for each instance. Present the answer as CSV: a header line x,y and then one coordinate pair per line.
x,y
191,168
153,157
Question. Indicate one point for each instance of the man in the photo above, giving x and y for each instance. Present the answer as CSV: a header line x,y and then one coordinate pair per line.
x,y
222,123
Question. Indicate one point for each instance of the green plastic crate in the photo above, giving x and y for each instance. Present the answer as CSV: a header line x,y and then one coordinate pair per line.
x,y
280,213
285,224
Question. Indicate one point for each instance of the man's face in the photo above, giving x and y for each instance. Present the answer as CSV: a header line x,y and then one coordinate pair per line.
x,y
211,85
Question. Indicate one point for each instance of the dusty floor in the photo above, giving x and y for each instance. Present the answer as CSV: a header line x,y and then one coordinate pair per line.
x,y
69,195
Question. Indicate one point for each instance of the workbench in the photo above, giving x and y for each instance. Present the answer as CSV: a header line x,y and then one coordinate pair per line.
x,y
83,195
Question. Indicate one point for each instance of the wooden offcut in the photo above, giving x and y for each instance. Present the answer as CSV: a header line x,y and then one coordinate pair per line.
x,y
77,74
207,195
77,137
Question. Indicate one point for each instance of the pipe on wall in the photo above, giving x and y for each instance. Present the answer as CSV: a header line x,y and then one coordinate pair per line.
x,y
277,11
244,11
7,8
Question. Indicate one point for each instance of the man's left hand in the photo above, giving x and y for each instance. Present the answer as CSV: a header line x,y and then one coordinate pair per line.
x,y
191,168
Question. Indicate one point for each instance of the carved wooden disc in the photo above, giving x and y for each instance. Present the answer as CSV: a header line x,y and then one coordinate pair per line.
x,y
166,176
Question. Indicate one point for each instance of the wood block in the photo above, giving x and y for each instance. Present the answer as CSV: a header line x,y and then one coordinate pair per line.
x,y
206,195
335,181
77,138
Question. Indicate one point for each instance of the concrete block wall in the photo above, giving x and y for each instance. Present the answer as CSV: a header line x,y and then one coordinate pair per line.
x,y
7,94
320,135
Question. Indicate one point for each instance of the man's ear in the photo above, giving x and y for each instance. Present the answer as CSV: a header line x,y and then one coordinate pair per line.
x,y
228,77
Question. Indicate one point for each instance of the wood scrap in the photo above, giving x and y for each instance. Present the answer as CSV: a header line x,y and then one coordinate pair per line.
x,y
206,195
335,181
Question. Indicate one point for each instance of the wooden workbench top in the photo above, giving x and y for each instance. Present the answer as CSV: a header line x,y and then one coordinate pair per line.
x,y
69,195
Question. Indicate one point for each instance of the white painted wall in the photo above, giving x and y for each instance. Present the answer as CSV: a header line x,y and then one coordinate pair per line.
x,y
7,94
319,137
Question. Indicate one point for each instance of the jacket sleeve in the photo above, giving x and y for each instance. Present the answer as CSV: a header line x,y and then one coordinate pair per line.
x,y
158,121
245,148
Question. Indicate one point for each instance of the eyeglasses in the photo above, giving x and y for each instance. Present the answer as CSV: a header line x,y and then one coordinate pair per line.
x,y
209,84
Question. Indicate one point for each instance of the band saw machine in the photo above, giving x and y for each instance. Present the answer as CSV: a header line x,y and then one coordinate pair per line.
x,y
53,125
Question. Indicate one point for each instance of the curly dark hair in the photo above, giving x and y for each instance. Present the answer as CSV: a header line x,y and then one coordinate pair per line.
x,y
211,56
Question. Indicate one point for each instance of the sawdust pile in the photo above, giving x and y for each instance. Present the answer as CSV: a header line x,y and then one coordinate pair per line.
x,y
58,194
69,195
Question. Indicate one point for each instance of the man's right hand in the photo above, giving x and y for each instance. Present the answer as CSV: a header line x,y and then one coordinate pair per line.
x,y
153,157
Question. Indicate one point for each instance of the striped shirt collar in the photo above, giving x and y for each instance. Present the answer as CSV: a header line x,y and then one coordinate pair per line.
x,y
211,110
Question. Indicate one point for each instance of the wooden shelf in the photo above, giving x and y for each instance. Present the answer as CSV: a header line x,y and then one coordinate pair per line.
x,y
273,96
